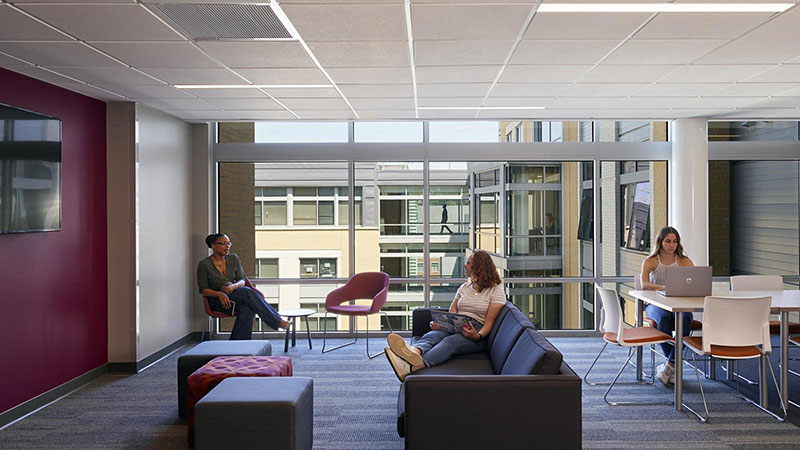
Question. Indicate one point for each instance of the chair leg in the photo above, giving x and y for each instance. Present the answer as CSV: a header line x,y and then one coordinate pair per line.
x,y
780,399
630,353
613,383
367,333
745,379
325,332
702,393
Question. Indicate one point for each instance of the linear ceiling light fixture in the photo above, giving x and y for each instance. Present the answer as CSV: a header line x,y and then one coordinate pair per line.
x,y
475,108
252,86
664,7
409,33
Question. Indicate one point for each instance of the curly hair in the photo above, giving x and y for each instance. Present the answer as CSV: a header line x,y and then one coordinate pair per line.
x,y
484,272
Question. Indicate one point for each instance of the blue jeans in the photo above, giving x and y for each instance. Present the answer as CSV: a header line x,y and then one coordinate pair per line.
x,y
439,346
248,304
665,321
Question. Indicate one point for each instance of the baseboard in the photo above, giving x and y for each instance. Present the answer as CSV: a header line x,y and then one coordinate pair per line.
x,y
138,366
40,401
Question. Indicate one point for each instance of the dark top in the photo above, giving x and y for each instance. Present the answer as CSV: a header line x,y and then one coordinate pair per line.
x,y
208,277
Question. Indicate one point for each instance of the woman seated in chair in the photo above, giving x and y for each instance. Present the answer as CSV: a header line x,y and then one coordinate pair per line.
x,y
667,252
481,297
220,278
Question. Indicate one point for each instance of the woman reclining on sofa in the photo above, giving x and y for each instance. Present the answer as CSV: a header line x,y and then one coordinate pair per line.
x,y
481,297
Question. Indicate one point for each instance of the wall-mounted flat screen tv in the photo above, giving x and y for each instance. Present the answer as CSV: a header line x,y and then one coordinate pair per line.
x,y
30,171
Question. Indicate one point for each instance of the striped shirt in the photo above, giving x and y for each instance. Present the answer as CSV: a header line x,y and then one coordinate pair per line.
x,y
476,304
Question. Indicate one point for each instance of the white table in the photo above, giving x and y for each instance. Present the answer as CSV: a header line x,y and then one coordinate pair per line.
x,y
782,302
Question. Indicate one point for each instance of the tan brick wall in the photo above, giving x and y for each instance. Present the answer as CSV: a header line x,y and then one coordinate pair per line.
x,y
571,264
719,216
230,132
237,210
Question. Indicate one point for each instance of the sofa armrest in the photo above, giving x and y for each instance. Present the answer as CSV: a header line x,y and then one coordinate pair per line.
x,y
519,411
421,320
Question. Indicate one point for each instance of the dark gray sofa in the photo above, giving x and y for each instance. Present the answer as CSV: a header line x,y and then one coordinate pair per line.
x,y
518,395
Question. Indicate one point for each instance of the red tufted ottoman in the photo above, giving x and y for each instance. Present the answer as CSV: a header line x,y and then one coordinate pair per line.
x,y
212,373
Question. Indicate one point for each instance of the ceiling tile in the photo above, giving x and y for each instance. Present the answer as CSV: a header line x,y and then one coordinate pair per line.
x,y
325,114
244,103
720,102
447,114
284,76
777,102
649,102
457,74
582,103
603,90
751,89
689,113
529,89
679,89
782,73
781,27
700,25
755,51
157,55
244,114
364,22
512,114
70,54
562,51
324,1
91,92
177,103
19,27
386,113
146,91
543,73
195,76
8,61
381,103
584,25
460,53
450,102
303,92
123,22
747,113
624,73
106,75
314,103
376,90
714,73
371,75
662,51
792,93
475,22
263,54
227,93
519,101
41,74
361,54
453,90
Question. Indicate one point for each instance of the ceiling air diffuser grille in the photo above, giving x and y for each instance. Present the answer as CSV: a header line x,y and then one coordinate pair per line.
x,y
207,21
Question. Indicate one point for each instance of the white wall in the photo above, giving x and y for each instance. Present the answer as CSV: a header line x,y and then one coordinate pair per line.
x,y
166,267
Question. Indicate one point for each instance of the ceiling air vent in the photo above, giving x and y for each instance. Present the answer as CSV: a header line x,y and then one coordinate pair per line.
x,y
207,21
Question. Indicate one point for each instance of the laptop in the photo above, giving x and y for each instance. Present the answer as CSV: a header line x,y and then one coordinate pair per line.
x,y
687,282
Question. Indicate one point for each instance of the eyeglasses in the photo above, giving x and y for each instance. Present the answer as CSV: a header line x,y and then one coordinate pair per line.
x,y
227,244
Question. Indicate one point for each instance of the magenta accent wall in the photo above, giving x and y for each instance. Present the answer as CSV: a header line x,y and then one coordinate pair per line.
x,y
53,325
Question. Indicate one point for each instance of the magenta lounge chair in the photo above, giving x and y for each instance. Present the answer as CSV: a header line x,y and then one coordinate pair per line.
x,y
212,314
366,285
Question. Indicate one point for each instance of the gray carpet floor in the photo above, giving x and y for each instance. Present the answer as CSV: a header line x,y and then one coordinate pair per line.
x,y
355,407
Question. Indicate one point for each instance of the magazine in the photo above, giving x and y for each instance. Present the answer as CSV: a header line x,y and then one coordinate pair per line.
x,y
452,322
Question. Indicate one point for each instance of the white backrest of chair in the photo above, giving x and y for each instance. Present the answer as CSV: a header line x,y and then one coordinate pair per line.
x,y
757,283
613,312
736,321
637,282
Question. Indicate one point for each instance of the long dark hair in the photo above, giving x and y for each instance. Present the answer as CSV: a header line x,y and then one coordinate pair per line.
x,y
484,272
211,238
660,238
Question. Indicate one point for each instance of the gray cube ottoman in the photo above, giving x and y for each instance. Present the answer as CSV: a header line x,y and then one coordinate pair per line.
x,y
204,352
256,412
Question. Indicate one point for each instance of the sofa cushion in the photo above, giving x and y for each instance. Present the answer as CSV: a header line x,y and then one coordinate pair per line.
x,y
532,354
497,321
507,334
460,366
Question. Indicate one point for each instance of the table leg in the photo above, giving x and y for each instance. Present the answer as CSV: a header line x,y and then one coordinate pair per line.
x,y
308,333
784,358
640,349
286,340
679,361
294,331
763,384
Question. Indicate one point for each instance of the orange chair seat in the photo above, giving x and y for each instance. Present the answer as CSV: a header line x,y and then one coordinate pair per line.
x,y
639,335
722,351
775,327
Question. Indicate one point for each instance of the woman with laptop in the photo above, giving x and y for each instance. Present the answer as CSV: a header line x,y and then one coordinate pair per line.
x,y
481,298
668,252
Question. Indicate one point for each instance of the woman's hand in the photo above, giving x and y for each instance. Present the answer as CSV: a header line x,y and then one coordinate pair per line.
x,y
468,331
228,288
223,299
434,327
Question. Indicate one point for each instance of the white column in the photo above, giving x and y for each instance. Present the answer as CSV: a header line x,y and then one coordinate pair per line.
x,y
688,186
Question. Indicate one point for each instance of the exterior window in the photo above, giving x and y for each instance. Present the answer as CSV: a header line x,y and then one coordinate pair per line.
x,y
325,213
266,268
305,213
318,268
635,202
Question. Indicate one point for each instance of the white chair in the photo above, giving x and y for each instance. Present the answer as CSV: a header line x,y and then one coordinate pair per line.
x,y
615,331
734,328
